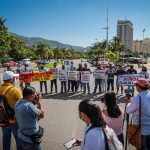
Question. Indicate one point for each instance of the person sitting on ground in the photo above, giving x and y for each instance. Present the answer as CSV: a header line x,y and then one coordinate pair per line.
x,y
113,115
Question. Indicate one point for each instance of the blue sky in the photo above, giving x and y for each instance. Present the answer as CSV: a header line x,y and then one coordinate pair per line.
x,y
76,22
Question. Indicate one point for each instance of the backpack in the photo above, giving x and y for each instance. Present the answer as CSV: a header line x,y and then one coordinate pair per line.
x,y
6,112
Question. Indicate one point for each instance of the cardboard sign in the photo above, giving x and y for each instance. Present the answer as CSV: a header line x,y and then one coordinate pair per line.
x,y
85,76
63,75
73,75
129,79
36,76
99,74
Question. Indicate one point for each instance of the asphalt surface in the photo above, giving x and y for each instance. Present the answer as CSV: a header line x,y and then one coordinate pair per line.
x,y
61,122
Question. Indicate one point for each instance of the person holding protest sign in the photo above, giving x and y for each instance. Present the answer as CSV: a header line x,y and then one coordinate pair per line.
x,y
110,77
74,82
113,115
63,79
79,83
131,70
139,107
42,69
98,78
119,71
70,81
55,75
144,71
86,83
24,70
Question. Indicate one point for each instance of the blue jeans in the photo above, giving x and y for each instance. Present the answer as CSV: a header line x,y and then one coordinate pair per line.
x,y
145,142
98,82
84,87
28,146
7,135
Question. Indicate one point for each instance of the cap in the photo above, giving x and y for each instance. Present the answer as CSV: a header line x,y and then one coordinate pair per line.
x,y
9,75
142,82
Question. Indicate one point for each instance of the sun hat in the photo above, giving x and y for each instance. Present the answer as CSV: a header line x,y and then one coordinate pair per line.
x,y
142,82
9,75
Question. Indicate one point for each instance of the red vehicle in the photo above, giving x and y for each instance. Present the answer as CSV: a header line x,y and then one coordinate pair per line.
x,y
1,65
9,63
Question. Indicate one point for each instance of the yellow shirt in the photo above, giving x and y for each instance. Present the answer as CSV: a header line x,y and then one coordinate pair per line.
x,y
13,94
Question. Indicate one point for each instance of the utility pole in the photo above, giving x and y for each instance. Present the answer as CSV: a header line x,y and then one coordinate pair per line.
x,y
143,46
106,50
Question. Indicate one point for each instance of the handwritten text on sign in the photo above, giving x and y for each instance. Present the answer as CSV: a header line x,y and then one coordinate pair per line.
x,y
99,74
85,76
129,79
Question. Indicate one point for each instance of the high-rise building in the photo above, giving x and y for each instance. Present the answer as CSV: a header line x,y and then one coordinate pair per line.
x,y
125,32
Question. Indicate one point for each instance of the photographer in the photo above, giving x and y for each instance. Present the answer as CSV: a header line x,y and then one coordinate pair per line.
x,y
28,111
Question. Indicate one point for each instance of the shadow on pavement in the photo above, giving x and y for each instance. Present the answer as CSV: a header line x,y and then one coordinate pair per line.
x,y
80,96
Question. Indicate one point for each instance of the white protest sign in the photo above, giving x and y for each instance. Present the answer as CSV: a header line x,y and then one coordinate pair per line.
x,y
62,75
99,74
85,76
72,75
55,72
129,79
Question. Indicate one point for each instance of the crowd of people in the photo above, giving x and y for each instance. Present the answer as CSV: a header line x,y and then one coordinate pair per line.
x,y
104,128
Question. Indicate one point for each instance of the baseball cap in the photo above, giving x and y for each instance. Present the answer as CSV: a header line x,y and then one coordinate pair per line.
x,y
142,82
9,75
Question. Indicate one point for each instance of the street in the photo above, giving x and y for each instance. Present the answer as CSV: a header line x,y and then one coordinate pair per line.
x,y
61,122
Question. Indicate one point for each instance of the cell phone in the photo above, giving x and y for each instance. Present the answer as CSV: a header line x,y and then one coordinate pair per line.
x,y
69,144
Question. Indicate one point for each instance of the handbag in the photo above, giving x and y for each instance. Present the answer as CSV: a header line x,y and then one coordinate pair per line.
x,y
111,140
134,132
36,137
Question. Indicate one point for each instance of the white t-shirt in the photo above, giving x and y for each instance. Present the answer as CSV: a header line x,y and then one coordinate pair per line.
x,y
93,140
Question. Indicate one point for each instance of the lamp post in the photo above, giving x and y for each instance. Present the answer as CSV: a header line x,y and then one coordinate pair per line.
x,y
143,46
106,28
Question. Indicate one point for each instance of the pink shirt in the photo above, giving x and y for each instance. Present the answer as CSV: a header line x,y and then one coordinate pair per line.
x,y
114,123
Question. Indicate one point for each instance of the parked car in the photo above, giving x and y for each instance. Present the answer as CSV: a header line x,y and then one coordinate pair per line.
x,y
9,64
26,61
1,65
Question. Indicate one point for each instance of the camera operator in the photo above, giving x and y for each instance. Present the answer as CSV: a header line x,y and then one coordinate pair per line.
x,y
133,108
28,111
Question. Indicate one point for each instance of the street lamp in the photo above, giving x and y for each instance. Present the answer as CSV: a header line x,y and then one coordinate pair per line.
x,y
106,28
143,46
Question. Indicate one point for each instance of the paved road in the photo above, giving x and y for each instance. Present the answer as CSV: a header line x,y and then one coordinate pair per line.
x,y
61,122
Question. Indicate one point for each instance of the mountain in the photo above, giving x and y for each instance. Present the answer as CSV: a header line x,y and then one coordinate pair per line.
x,y
29,41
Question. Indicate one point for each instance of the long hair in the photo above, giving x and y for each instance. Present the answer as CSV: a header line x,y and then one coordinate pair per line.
x,y
93,112
112,107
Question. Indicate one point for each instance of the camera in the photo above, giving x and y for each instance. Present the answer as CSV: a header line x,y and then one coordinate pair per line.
x,y
36,99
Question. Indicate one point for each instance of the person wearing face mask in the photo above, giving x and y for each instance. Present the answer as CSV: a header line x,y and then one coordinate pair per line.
x,y
79,83
144,71
42,69
13,94
98,81
95,130
70,81
55,75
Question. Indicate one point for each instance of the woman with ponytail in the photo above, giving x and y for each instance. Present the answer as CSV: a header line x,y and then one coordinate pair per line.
x,y
113,115
94,139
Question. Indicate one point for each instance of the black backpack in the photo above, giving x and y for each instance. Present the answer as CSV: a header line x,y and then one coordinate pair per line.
x,y
6,112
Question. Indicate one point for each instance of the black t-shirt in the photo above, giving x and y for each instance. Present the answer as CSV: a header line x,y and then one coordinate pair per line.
x,y
120,72
131,71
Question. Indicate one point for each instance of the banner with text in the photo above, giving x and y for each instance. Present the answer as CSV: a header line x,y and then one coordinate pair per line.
x,y
36,76
85,76
73,75
62,75
129,79
99,74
